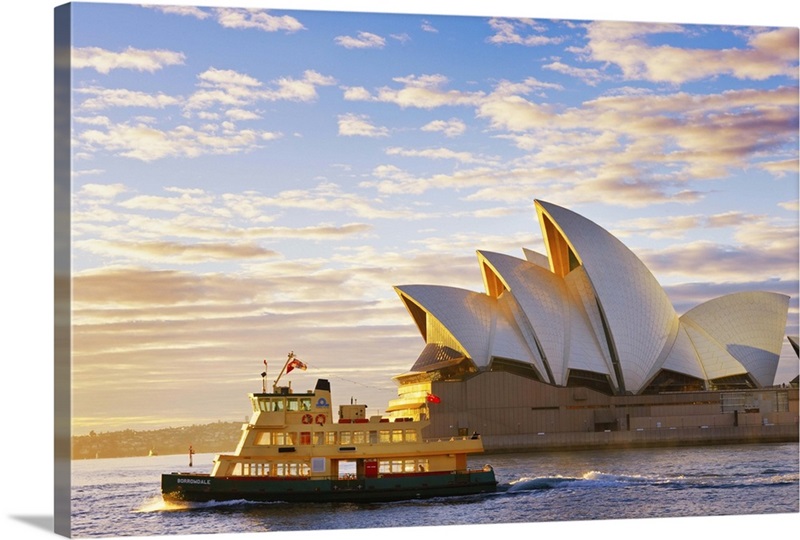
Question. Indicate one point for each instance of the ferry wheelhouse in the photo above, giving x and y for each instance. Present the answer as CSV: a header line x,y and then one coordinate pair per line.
x,y
295,448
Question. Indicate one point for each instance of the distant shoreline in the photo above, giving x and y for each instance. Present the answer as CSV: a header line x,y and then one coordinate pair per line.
x,y
205,438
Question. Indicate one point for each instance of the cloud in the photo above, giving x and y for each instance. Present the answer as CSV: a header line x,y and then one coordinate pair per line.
x,y
355,125
241,114
722,262
103,98
357,93
101,191
148,143
326,196
428,27
436,153
402,38
633,149
780,168
768,53
364,40
425,92
391,180
186,11
677,226
510,31
451,128
104,61
685,296
229,88
257,19
173,252
590,76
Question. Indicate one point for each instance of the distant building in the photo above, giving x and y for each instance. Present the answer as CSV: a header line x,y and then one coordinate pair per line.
x,y
588,328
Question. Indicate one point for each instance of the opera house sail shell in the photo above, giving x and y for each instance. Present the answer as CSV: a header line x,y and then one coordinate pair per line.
x,y
590,314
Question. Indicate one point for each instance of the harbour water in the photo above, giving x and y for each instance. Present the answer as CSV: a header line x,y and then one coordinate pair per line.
x,y
120,497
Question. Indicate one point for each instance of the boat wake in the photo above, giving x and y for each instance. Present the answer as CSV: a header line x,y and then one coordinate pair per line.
x,y
158,504
598,479
533,484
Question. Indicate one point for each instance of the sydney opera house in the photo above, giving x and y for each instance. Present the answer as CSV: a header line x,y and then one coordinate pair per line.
x,y
581,347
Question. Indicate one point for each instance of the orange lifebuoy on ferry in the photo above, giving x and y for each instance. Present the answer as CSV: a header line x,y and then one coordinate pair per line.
x,y
320,419
307,418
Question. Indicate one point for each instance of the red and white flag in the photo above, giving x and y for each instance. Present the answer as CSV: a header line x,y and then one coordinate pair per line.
x,y
295,363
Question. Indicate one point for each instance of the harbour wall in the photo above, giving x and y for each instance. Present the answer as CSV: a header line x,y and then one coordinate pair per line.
x,y
655,438
513,413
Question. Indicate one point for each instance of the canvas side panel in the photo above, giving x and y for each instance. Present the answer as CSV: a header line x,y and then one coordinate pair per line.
x,y
62,267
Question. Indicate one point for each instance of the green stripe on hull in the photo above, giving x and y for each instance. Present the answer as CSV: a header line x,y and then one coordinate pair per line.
x,y
203,488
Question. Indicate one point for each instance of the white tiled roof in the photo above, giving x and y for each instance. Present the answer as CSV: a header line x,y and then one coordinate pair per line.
x,y
597,309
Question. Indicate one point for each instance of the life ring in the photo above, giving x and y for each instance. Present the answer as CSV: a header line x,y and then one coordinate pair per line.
x,y
307,418
320,419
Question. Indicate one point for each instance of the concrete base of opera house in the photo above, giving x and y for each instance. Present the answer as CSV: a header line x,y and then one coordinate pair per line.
x,y
698,436
517,414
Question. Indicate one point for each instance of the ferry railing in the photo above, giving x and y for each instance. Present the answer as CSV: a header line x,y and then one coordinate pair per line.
x,y
473,437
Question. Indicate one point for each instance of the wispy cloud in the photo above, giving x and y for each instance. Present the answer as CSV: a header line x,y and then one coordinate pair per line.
x,y
104,61
148,143
525,32
770,53
174,252
436,153
106,98
363,40
451,128
590,76
427,26
425,92
355,125
257,19
186,11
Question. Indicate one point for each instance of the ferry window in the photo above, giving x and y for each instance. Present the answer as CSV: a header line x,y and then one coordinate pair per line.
x,y
397,465
411,435
263,404
305,437
254,403
345,437
277,405
330,437
384,467
318,464
384,436
291,438
305,404
359,437
292,405
263,439
280,438
319,438
373,437
237,469
409,465
397,435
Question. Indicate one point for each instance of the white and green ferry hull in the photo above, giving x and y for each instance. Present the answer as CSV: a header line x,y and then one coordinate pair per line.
x,y
186,487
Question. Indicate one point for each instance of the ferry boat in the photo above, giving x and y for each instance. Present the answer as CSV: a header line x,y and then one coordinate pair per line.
x,y
294,450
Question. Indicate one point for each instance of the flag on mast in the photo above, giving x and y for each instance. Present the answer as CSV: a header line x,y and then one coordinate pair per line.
x,y
431,398
295,363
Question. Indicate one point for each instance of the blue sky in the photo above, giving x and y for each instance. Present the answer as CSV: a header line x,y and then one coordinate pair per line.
x,y
250,182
